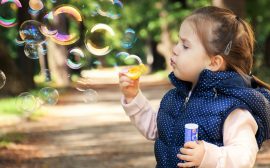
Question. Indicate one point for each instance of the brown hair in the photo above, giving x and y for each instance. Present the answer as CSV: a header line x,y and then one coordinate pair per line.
x,y
223,33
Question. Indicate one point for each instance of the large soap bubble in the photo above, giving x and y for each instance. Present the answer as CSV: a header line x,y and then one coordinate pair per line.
x,y
70,36
30,32
109,8
8,12
99,39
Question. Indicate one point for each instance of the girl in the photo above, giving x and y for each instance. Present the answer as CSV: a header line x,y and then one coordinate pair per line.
x,y
214,89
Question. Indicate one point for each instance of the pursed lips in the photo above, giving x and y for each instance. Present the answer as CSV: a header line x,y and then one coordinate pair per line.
x,y
172,62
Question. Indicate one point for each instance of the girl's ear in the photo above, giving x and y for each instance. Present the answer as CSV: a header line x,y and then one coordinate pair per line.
x,y
217,63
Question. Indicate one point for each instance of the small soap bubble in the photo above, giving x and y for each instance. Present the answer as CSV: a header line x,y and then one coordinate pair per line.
x,y
81,85
2,79
110,8
76,58
33,12
19,42
129,39
26,102
35,50
90,96
48,96
36,5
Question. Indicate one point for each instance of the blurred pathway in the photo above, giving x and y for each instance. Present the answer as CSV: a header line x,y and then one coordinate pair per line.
x,y
79,135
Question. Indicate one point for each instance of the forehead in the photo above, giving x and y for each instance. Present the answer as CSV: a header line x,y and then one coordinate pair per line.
x,y
187,31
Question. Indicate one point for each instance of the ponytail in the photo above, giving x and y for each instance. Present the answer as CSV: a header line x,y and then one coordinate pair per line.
x,y
260,82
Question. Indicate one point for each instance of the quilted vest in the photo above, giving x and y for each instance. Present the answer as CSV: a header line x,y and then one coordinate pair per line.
x,y
214,97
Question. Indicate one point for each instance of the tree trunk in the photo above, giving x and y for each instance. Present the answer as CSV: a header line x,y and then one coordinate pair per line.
x,y
165,46
158,61
24,64
238,7
15,79
57,56
267,51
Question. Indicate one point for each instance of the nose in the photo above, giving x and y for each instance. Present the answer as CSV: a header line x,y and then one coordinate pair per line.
x,y
174,50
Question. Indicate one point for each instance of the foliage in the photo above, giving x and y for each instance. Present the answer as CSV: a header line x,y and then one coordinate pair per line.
x,y
146,17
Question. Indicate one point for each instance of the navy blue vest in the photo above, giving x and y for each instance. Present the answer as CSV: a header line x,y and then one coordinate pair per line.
x,y
214,97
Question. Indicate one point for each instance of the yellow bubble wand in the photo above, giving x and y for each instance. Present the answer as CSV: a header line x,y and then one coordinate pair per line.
x,y
135,71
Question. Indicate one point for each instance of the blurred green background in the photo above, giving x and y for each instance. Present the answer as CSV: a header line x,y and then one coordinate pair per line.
x,y
156,24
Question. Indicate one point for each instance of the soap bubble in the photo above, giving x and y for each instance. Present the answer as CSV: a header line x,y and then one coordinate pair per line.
x,y
26,102
47,74
98,40
33,12
2,79
110,8
129,38
76,58
19,42
30,32
90,96
120,58
81,85
70,36
48,27
48,96
8,12
122,55
36,5
97,63
35,50
132,65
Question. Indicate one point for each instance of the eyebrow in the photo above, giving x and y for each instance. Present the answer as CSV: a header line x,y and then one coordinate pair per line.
x,y
184,39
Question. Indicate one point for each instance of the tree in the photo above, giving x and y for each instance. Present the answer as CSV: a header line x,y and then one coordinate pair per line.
x,y
238,7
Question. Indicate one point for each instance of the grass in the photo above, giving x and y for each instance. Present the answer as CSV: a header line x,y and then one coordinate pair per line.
x,y
8,107
11,138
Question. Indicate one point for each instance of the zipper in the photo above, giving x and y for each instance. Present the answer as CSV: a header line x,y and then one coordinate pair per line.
x,y
182,110
187,99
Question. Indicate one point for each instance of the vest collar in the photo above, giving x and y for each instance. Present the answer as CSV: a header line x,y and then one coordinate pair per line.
x,y
209,80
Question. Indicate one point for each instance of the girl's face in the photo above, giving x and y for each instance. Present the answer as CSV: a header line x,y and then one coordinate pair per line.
x,y
189,56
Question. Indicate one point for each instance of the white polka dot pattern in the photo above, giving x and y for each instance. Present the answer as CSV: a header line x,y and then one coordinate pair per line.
x,y
214,97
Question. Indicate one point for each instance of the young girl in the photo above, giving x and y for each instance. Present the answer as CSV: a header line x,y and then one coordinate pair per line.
x,y
214,89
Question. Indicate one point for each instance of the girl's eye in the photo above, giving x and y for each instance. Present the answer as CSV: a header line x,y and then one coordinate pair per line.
x,y
185,47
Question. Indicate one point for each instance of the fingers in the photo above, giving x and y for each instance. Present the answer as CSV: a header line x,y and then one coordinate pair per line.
x,y
186,151
185,157
187,164
126,81
190,144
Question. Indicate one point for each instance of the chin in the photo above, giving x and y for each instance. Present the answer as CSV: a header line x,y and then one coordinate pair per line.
x,y
180,77
177,75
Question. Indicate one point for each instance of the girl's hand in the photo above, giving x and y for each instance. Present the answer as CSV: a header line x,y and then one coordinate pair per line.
x,y
129,87
192,153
